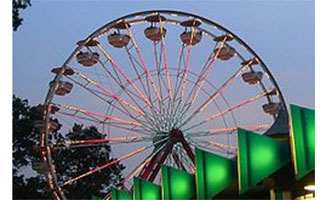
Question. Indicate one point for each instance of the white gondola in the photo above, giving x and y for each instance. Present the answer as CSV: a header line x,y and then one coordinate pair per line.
x,y
253,61
271,108
53,125
221,38
40,167
118,40
66,71
187,36
90,43
53,109
191,23
252,77
87,59
154,33
62,88
39,124
225,53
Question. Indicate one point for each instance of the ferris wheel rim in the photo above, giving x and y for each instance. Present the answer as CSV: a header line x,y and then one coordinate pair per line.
x,y
95,34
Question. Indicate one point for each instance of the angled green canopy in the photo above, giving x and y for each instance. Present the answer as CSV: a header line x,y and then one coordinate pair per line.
x,y
120,195
94,197
145,190
177,184
213,174
258,157
303,140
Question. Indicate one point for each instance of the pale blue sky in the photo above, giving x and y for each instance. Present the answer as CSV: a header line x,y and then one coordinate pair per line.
x,y
281,33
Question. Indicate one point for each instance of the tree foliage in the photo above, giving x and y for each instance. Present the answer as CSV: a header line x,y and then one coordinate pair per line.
x,y
18,5
25,137
72,162
69,162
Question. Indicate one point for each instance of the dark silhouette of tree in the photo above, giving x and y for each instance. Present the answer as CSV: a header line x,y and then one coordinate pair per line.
x,y
17,5
25,137
69,162
72,162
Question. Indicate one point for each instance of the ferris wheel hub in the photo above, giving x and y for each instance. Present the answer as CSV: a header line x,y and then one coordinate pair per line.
x,y
176,135
173,136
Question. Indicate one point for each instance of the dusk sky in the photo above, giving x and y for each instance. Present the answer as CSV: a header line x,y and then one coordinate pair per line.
x,y
281,33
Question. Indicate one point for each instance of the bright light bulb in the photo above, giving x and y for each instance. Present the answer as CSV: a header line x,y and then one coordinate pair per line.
x,y
310,187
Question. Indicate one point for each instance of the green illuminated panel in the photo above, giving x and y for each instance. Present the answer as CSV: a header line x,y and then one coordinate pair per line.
x,y
93,197
120,195
213,174
177,184
303,139
258,157
145,190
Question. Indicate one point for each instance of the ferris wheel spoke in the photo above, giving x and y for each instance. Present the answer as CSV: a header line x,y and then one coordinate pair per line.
x,y
207,72
137,169
124,104
153,108
157,121
84,143
105,166
97,93
112,162
142,164
129,93
134,129
232,108
177,82
96,120
157,67
147,71
130,82
166,67
109,93
186,106
202,78
183,80
177,109
162,106
132,62
217,93
73,115
100,115
211,132
116,79
91,91
174,107
239,105
187,65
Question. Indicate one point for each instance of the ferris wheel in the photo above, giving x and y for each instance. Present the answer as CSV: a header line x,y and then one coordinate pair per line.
x,y
158,84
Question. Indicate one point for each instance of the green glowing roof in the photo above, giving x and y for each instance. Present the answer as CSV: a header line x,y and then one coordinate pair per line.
x,y
145,190
177,184
213,174
303,139
258,157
